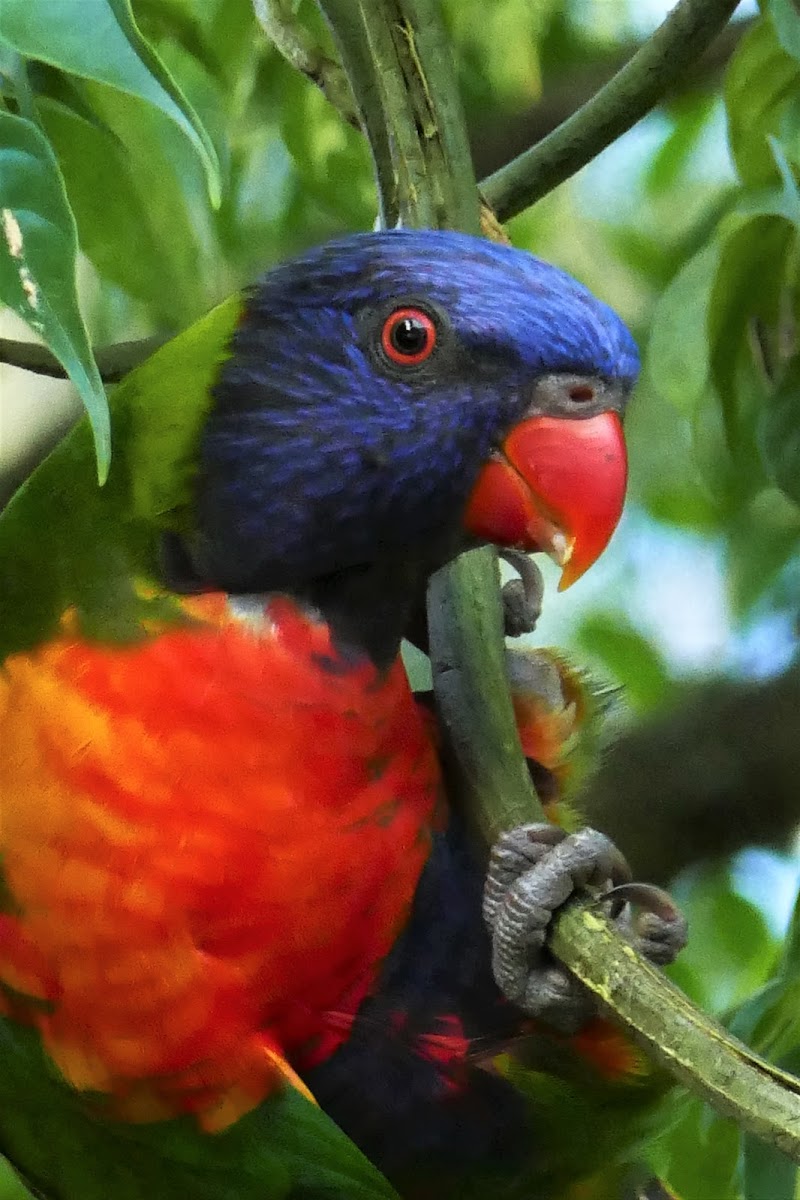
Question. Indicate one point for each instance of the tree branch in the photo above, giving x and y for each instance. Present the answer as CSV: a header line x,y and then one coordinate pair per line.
x,y
113,361
719,772
625,99
396,58
693,1047
293,41
414,125
562,95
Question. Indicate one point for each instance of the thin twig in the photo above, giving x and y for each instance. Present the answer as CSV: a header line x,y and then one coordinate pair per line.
x,y
113,361
626,98
294,42
564,93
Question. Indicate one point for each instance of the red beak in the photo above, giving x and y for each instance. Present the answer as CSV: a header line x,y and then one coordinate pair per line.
x,y
556,485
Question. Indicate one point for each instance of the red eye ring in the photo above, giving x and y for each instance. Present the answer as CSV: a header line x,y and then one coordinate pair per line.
x,y
408,336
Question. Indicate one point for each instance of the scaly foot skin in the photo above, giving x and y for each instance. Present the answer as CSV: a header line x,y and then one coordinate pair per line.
x,y
522,597
533,870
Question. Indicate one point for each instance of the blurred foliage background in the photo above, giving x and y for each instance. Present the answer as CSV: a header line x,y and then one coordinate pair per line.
x,y
688,226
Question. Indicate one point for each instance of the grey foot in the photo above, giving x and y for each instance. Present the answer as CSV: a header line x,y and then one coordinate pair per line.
x,y
522,597
534,869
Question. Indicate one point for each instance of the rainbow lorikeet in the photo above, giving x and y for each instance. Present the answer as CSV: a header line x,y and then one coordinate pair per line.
x,y
230,879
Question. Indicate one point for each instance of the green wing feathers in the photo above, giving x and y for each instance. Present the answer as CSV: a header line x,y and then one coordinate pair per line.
x,y
67,544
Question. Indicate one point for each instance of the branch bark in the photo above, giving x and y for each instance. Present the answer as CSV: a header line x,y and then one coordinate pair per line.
x,y
278,20
410,113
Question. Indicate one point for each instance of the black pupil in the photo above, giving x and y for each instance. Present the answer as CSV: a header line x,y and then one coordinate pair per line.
x,y
409,336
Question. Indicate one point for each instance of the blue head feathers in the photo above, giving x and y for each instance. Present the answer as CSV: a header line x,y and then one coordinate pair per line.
x,y
322,453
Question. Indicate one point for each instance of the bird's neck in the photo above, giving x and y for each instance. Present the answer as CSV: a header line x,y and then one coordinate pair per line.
x,y
369,608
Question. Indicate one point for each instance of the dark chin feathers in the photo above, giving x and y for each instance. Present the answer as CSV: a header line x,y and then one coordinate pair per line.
x,y
369,607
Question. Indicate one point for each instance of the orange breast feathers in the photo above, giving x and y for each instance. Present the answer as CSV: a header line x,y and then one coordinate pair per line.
x,y
208,839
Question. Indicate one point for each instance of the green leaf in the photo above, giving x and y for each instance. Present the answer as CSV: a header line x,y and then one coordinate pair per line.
x,y
731,951
68,34
287,1147
148,229
628,656
38,252
761,79
748,285
731,471
769,1019
755,1014
10,1185
677,353
699,1154
775,202
786,23
762,537
115,216
766,1171
679,496
331,158
789,205
165,183
689,116
418,667
790,965
223,37
779,433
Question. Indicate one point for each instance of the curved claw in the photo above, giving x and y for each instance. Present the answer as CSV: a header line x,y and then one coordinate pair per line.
x,y
647,896
660,930
522,597
533,870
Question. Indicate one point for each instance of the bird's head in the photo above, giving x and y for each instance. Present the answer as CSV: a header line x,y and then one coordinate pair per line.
x,y
398,396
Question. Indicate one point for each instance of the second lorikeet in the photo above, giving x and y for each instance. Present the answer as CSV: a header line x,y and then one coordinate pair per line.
x,y
230,879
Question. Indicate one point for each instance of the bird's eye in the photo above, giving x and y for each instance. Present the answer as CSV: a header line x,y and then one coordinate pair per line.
x,y
408,337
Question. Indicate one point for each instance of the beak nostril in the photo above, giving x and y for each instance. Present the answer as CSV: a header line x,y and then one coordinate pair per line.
x,y
581,392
